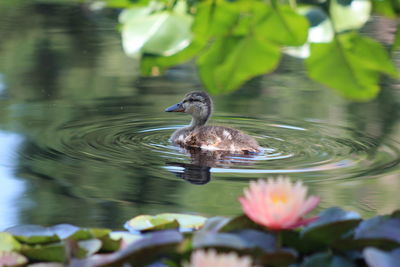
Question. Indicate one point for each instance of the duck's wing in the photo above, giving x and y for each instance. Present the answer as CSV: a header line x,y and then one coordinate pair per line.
x,y
223,138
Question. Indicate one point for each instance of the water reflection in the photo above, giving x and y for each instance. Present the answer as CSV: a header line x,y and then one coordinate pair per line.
x,y
201,161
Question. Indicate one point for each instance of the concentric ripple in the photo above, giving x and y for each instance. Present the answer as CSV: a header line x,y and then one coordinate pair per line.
x,y
289,147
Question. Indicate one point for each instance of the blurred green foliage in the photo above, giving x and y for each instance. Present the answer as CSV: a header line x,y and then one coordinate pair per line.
x,y
234,41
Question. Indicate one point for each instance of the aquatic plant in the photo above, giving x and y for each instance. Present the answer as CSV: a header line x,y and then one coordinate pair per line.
x,y
334,238
234,41
278,204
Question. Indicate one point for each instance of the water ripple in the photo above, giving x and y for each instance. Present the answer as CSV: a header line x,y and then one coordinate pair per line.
x,y
289,147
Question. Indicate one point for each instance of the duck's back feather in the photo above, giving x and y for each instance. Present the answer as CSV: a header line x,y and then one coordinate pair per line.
x,y
215,138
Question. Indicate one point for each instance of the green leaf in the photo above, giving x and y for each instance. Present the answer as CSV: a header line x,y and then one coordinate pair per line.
x,y
332,224
378,258
33,234
163,33
123,238
231,61
214,18
386,8
12,259
154,65
283,26
349,17
89,247
165,221
8,242
327,260
52,252
351,64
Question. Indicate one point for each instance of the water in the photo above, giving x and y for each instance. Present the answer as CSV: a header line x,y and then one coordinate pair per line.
x,y
84,138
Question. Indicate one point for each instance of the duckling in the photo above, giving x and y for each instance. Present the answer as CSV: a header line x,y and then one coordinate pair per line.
x,y
199,135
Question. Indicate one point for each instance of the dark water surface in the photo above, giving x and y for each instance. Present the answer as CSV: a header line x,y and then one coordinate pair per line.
x,y
84,138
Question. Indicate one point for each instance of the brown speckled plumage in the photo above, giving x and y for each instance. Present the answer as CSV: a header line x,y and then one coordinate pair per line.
x,y
200,135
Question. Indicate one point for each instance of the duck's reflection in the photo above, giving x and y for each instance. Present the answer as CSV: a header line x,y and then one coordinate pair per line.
x,y
201,161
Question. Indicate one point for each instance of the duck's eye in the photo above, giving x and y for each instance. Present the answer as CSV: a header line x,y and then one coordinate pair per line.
x,y
192,100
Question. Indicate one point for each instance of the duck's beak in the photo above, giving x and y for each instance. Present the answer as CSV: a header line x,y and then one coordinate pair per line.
x,y
175,108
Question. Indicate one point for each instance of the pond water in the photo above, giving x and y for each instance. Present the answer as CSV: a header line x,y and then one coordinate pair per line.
x,y
84,139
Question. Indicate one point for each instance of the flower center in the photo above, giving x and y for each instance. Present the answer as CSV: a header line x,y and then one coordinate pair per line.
x,y
279,198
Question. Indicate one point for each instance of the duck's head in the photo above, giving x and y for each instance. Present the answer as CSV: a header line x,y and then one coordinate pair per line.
x,y
198,104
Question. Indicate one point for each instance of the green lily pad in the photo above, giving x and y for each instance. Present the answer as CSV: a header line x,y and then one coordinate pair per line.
x,y
12,259
123,239
165,221
90,247
332,224
51,252
33,234
8,242
149,249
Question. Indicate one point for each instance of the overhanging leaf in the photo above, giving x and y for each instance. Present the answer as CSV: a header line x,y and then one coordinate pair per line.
x,y
214,18
351,64
231,61
351,16
163,33
283,26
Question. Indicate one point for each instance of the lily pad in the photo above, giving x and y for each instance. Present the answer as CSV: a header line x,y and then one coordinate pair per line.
x,y
165,221
326,259
239,223
218,240
379,227
332,224
12,259
145,251
215,224
33,234
378,258
8,242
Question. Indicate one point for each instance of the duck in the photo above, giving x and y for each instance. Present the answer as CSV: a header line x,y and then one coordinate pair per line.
x,y
199,135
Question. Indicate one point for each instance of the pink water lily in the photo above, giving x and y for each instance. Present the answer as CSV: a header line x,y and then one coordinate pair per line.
x,y
278,203
210,258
